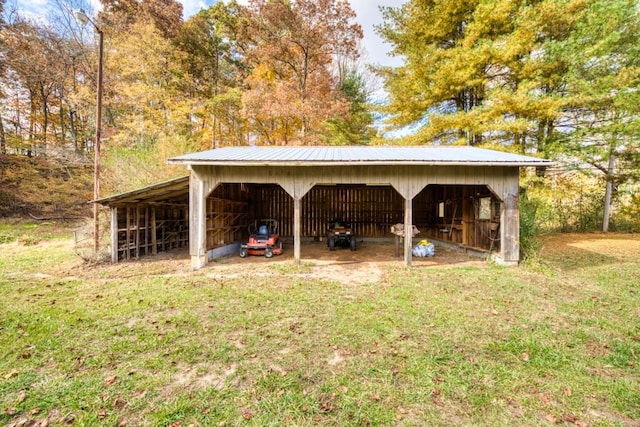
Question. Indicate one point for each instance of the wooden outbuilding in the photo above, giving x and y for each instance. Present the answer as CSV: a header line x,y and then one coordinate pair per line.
x,y
149,220
462,195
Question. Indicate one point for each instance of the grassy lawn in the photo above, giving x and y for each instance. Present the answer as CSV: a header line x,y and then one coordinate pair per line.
x,y
152,343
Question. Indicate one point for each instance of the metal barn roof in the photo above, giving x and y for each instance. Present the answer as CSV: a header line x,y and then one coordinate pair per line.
x,y
363,155
167,191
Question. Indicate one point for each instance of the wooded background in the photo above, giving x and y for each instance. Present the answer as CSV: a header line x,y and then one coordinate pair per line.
x,y
553,78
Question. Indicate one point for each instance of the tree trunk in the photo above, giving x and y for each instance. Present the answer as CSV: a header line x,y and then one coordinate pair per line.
x,y
3,141
608,193
72,130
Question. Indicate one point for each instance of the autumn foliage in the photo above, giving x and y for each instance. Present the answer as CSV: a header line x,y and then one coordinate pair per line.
x,y
270,72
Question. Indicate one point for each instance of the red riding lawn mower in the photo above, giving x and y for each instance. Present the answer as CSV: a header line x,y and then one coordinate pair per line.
x,y
263,239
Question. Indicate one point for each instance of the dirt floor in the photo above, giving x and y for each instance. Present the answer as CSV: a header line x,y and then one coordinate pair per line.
x,y
342,265
368,263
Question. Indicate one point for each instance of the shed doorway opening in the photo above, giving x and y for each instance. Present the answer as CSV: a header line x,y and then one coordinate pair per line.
x,y
468,216
370,209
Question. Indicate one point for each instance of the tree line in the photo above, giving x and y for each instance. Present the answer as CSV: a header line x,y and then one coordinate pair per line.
x,y
270,72
558,78
554,78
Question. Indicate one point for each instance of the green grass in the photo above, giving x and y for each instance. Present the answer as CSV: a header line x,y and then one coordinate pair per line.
x,y
155,344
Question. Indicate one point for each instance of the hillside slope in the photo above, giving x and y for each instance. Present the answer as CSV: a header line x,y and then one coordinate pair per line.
x,y
44,188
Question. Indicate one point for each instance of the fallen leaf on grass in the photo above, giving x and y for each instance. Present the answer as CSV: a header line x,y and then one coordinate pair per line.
x,y
111,380
376,397
326,402
119,404
551,418
11,374
525,357
22,396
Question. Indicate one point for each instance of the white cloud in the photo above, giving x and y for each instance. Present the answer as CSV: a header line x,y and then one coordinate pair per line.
x,y
191,7
368,16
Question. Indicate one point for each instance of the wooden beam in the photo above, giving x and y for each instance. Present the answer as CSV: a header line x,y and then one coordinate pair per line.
x,y
510,231
138,231
408,231
114,235
127,242
296,228
468,224
197,222
154,230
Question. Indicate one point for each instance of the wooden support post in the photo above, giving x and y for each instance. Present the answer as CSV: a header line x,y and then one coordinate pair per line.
x,y
127,246
114,235
147,231
154,239
296,228
197,222
138,231
467,215
408,231
510,230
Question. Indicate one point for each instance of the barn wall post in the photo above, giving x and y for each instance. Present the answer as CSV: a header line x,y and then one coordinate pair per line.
x,y
296,188
510,221
154,231
510,235
296,228
408,231
197,221
114,235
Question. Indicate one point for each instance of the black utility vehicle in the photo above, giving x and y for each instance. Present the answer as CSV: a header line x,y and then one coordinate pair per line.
x,y
340,233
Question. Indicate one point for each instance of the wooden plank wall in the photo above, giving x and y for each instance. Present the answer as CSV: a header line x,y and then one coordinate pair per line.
x,y
148,229
461,223
145,229
370,209
227,214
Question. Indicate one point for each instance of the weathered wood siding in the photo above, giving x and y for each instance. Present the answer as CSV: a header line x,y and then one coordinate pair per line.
x,y
304,199
461,223
370,210
227,214
146,229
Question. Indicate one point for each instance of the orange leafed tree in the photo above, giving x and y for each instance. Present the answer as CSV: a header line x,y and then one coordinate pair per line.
x,y
292,47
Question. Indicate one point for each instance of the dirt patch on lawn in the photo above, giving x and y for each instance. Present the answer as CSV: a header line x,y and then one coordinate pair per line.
x,y
368,264
588,246
365,265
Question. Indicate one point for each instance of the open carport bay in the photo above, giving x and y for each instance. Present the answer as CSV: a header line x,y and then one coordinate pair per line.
x,y
366,264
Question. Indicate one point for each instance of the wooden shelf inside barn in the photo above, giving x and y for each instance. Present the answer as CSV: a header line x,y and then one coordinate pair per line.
x,y
225,219
146,230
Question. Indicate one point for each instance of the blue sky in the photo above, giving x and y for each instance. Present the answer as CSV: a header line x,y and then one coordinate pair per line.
x,y
368,15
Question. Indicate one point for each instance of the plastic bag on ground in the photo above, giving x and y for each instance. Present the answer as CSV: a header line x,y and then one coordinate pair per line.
x,y
423,249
